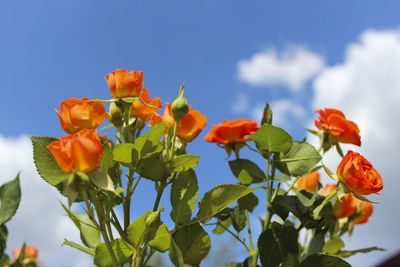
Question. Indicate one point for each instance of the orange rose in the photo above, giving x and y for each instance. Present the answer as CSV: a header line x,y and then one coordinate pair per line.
x,y
358,174
366,211
76,114
232,131
308,182
341,130
189,127
31,252
81,151
143,111
327,190
123,83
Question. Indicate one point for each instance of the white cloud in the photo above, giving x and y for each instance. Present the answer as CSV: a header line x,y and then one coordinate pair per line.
x,y
292,68
39,220
284,109
366,87
240,104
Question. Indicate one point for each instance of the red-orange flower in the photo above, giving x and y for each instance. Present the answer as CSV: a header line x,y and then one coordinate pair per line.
x,y
123,83
189,127
340,129
143,111
77,114
232,131
358,174
81,151
31,252
308,182
366,211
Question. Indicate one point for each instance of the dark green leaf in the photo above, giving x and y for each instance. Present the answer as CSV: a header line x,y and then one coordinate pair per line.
x,y
122,251
161,241
222,226
10,196
152,168
317,243
323,261
175,254
184,192
272,139
238,219
248,202
219,198
282,205
247,171
307,198
184,162
45,163
148,142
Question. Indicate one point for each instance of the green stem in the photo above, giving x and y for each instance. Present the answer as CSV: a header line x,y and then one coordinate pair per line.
x,y
172,150
159,194
117,225
149,257
235,236
249,231
127,200
291,186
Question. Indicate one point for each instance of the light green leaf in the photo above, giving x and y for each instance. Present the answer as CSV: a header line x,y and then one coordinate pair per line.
x,y
247,171
333,245
161,241
348,253
148,142
175,254
272,139
74,245
123,153
10,196
107,159
184,192
137,228
184,162
220,197
222,226
330,173
300,159
122,251
102,180
45,163
323,261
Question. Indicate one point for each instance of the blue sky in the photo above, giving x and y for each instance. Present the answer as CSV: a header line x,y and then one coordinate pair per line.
x,y
51,51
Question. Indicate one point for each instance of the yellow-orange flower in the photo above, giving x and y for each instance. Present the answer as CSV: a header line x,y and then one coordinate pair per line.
x,y
123,83
143,111
77,114
358,174
340,129
189,127
308,182
31,252
232,131
81,151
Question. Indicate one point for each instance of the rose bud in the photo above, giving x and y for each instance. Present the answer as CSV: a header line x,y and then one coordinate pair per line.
x,y
232,131
77,114
81,151
31,252
358,174
340,130
308,182
123,83
189,127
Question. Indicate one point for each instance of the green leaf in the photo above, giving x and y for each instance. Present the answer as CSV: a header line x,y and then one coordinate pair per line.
x,y
247,171
300,159
102,180
248,202
123,153
282,205
10,196
323,261
307,198
107,159
276,243
272,139
152,168
330,173
3,240
222,226
267,115
184,162
161,241
220,197
122,251
193,242
184,193
74,245
175,254
148,142
333,245
348,253
238,219
317,243
137,228
282,177
45,163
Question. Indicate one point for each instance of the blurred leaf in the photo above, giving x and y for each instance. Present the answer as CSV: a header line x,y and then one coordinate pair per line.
x,y
122,251
333,245
101,179
323,261
184,193
248,202
175,254
307,198
184,162
10,196
238,219
74,245
247,171
272,139
161,241
220,197
45,163
348,253
317,243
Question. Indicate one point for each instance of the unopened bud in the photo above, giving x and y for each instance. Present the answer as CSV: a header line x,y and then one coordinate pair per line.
x,y
180,106
115,115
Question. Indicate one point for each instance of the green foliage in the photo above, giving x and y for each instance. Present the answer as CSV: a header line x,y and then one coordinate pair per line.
x,y
148,142
247,171
184,162
272,139
102,180
45,163
300,159
184,193
74,245
175,254
239,219
282,205
222,225
10,196
333,245
220,197
248,202
321,260
3,240
161,241
193,242
136,230
317,242
122,153
276,243
122,251
153,168
348,253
